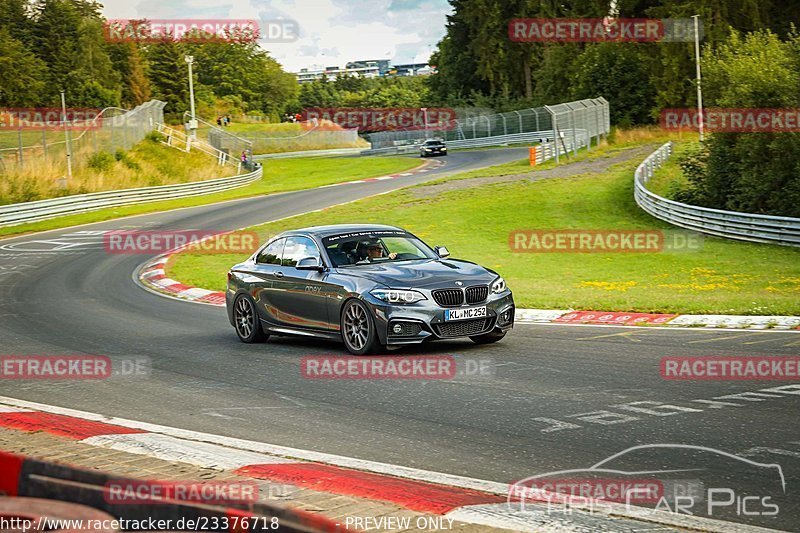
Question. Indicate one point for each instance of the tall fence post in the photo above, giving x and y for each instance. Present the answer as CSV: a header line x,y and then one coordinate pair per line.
x,y
19,142
554,122
574,133
520,121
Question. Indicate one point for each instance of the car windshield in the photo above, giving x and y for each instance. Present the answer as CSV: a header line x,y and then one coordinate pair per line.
x,y
365,248
433,143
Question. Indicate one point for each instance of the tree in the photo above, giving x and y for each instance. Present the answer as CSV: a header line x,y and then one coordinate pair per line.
x,y
169,76
67,36
755,172
619,73
22,75
14,17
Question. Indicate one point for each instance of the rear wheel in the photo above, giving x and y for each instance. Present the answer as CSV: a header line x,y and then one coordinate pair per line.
x,y
358,329
488,338
245,320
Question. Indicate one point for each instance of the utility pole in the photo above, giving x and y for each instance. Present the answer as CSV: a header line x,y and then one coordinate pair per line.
x,y
193,121
66,135
697,63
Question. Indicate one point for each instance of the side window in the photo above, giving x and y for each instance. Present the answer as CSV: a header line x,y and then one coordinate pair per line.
x,y
298,248
271,255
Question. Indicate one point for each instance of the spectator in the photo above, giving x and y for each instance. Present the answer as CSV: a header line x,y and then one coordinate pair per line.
x,y
219,121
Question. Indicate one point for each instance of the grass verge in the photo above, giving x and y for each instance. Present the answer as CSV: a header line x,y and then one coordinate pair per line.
x,y
280,175
149,163
724,277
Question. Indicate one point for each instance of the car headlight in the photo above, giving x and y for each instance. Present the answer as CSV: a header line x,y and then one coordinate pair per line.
x,y
428,149
498,285
398,296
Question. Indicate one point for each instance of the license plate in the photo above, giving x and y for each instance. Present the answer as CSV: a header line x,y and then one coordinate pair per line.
x,y
463,314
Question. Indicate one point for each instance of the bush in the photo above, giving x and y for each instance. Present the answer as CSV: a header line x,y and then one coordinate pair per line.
x,y
123,157
755,172
101,161
155,137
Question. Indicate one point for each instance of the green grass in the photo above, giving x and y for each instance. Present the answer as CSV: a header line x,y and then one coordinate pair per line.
x,y
279,176
669,179
725,276
263,128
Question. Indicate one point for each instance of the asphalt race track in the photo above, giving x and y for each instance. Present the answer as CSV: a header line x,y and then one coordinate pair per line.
x,y
558,397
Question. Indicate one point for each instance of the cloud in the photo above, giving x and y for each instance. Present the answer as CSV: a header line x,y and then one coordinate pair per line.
x,y
331,32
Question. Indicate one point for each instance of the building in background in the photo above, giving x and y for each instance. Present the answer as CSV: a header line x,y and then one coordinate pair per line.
x,y
368,68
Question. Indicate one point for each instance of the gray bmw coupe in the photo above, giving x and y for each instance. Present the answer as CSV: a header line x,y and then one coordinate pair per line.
x,y
369,286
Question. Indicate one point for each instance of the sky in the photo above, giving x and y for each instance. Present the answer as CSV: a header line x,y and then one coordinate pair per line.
x,y
331,32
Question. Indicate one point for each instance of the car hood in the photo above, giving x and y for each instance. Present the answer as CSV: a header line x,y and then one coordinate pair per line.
x,y
428,274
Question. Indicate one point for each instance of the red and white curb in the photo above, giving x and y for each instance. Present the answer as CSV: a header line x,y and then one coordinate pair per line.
x,y
618,318
455,497
424,167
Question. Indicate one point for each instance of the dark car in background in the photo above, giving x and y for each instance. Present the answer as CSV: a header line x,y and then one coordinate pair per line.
x,y
370,286
432,147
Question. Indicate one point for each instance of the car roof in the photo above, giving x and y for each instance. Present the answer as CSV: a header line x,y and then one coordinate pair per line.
x,y
337,229
434,141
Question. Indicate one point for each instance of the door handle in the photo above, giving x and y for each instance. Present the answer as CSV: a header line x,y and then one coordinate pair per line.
x,y
278,274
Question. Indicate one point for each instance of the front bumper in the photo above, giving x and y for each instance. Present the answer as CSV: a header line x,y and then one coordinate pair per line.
x,y
424,321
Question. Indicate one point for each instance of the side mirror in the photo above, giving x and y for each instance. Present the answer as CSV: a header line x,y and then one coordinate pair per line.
x,y
442,251
309,263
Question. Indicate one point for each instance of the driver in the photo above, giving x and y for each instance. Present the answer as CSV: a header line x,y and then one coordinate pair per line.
x,y
375,251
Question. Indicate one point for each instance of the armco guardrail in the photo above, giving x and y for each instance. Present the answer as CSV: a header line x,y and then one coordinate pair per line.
x,y
44,209
729,224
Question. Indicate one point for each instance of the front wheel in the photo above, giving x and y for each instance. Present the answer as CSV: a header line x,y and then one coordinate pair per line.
x,y
358,329
488,338
246,322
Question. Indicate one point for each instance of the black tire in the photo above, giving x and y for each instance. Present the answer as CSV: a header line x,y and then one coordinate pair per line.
x,y
246,321
358,329
488,338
